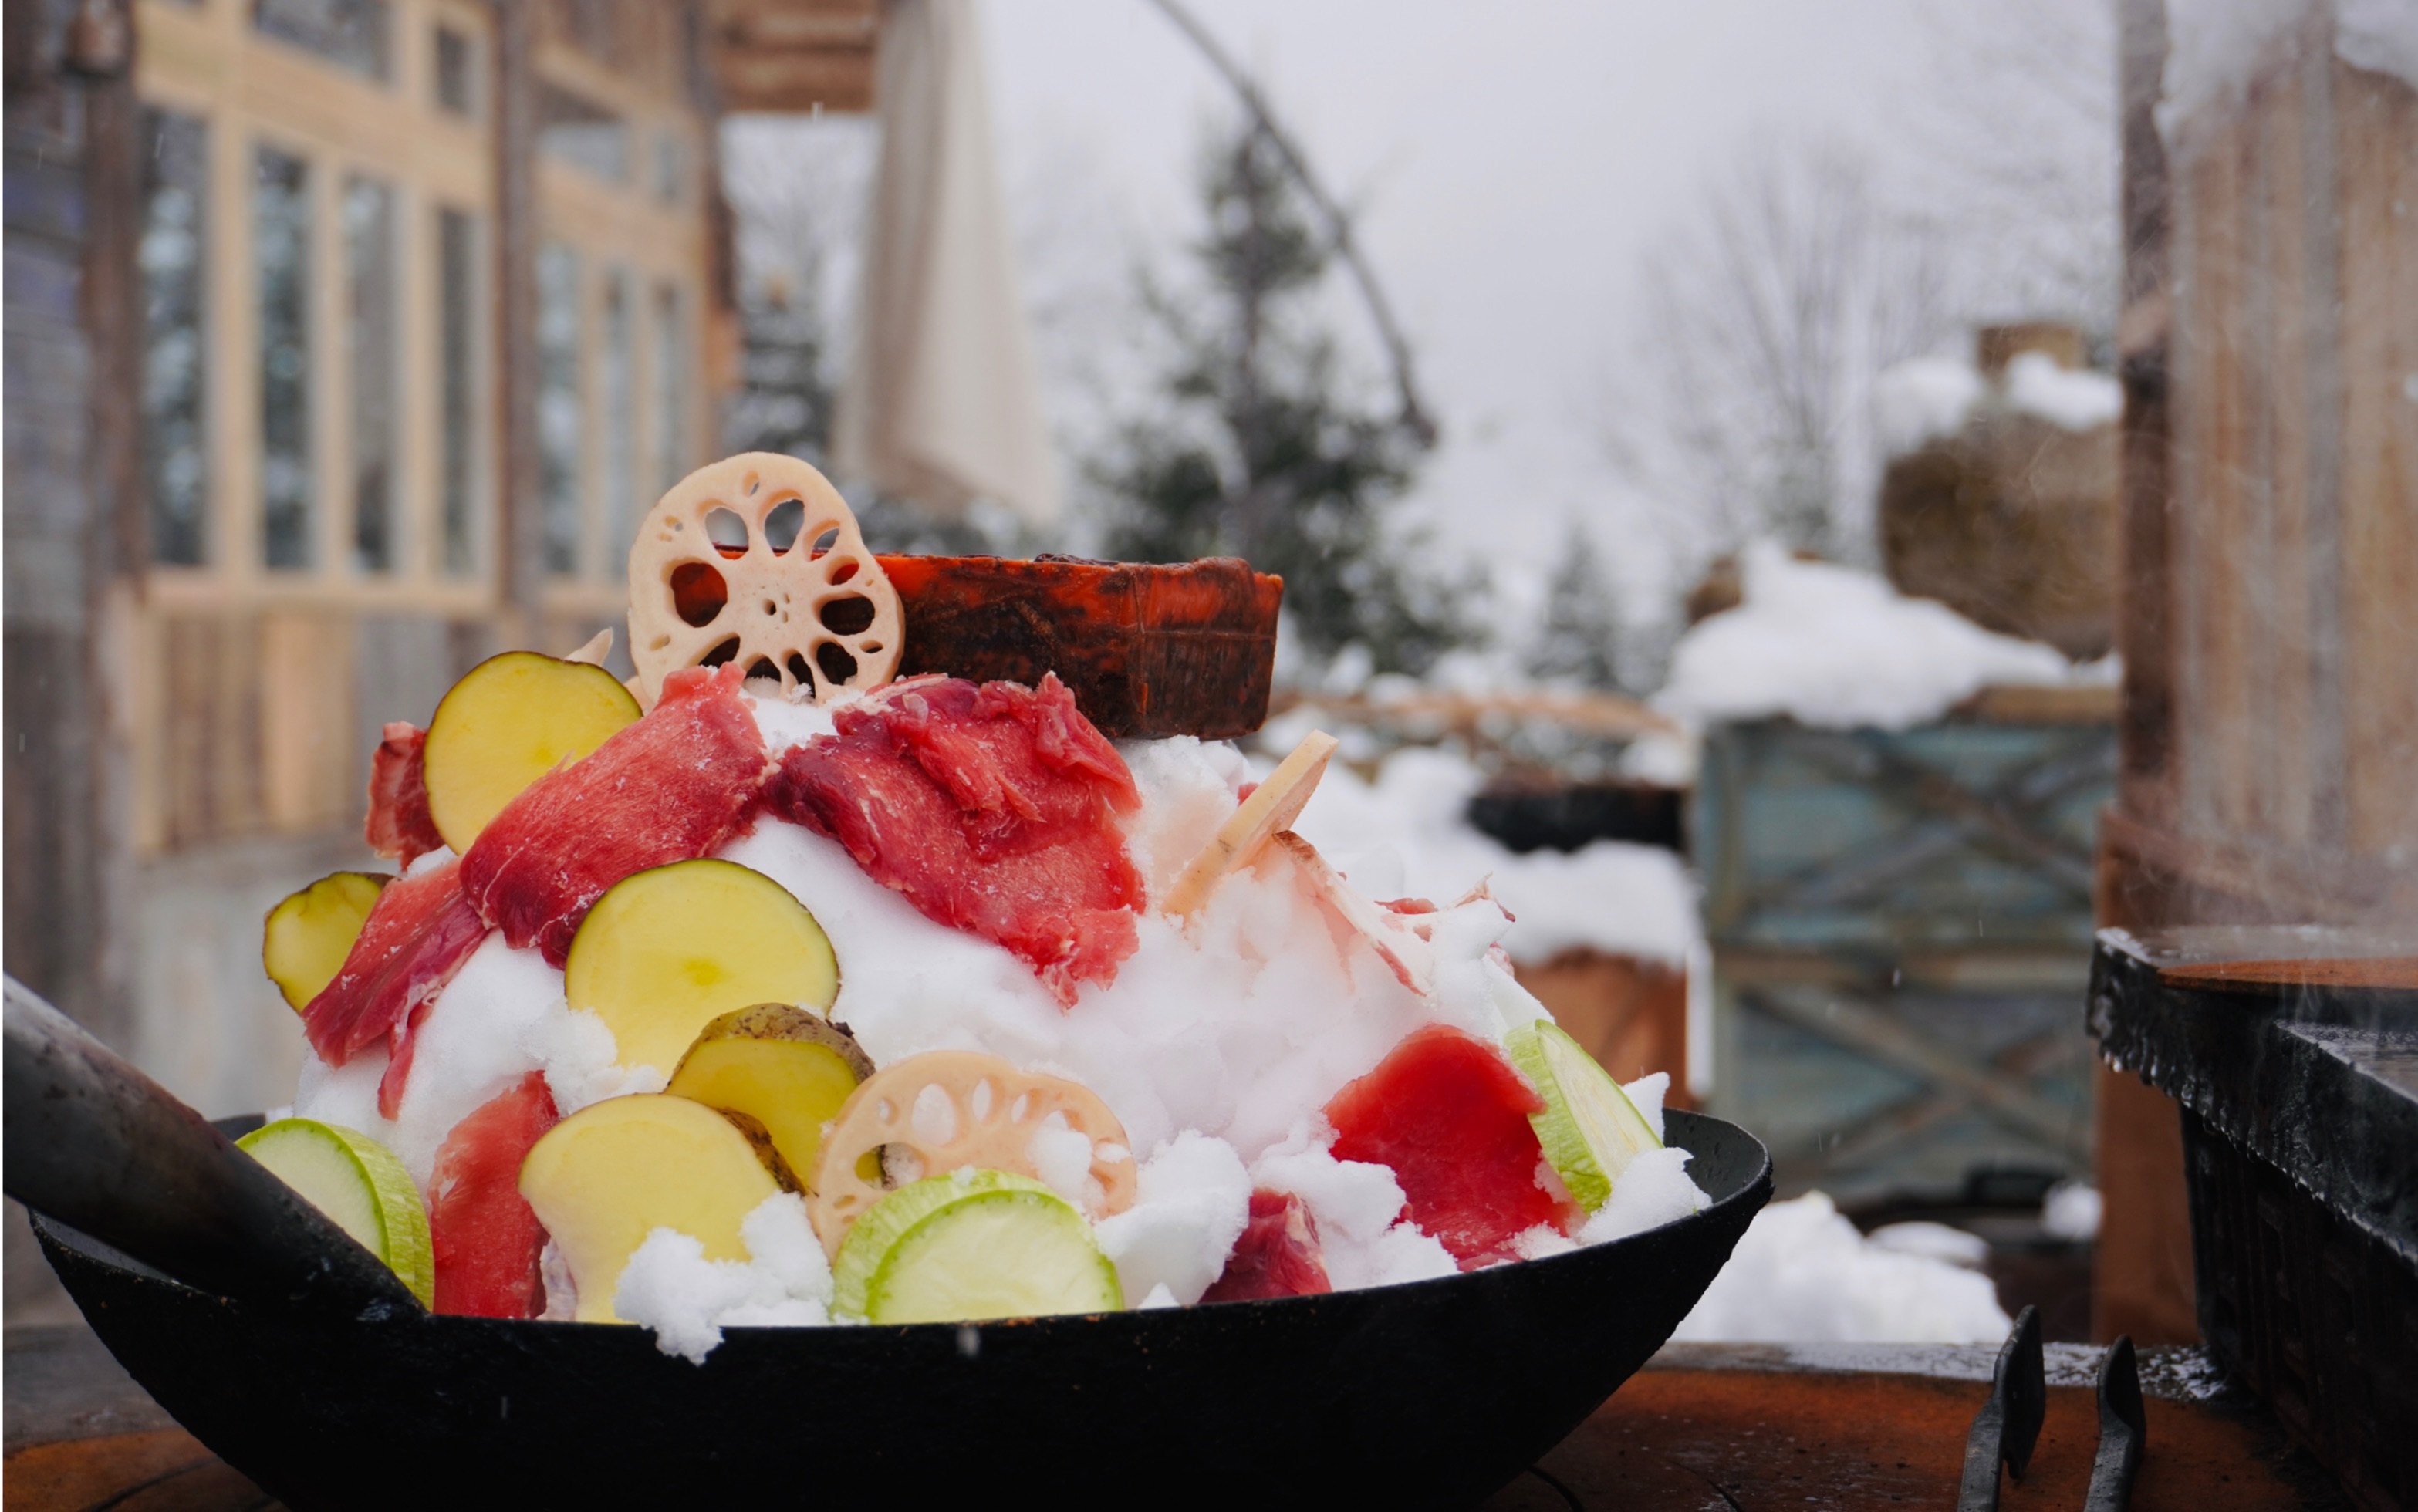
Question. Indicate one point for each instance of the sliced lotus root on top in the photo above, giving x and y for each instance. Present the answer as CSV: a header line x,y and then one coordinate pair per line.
x,y
1269,811
817,611
946,1110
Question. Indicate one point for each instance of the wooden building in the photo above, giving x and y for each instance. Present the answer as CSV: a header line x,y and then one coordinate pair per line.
x,y
2270,637
347,342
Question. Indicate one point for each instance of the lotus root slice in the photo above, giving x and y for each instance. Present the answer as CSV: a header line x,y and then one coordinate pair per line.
x,y
947,1109
820,620
1266,813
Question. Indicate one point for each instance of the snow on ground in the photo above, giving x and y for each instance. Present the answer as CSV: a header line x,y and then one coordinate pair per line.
x,y
1835,647
1406,834
1803,1274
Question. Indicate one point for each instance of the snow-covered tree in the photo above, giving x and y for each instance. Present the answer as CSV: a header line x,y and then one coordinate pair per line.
x,y
1580,638
1255,445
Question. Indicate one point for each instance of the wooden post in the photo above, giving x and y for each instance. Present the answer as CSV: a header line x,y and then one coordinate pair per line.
x,y
2270,517
520,515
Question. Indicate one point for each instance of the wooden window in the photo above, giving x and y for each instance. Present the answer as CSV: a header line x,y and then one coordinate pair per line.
x,y
280,202
351,33
560,433
577,131
460,344
175,262
671,168
619,381
371,254
458,72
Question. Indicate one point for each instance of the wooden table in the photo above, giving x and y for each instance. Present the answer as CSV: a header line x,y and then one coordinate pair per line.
x,y
1723,1427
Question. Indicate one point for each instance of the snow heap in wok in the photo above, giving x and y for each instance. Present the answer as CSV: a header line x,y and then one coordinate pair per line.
x,y
923,1001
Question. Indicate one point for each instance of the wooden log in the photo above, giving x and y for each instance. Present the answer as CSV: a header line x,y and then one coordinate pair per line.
x,y
1149,650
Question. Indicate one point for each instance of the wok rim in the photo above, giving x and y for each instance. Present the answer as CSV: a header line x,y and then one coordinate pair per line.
x,y
1754,1193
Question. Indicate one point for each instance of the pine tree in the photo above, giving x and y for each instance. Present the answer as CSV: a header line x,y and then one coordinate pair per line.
x,y
1580,639
1254,449
784,399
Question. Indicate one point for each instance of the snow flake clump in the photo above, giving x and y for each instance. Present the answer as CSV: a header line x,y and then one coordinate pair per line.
x,y
687,1300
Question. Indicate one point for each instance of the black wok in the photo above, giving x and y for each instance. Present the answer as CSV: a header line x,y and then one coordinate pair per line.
x,y
1430,1394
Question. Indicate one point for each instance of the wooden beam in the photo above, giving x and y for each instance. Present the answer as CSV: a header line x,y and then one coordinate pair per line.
x,y
794,55
520,535
1851,1019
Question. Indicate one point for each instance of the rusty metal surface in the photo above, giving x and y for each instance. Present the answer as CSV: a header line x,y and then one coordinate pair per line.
x,y
1717,1427
2319,1082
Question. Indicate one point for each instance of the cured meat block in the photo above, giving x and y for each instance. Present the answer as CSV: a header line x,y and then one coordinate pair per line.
x,y
1147,651
417,937
1448,1116
486,1237
991,808
1278,1254
399,825
676,785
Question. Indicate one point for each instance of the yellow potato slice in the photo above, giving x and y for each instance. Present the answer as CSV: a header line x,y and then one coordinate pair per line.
x,y
666,952
305,939
783,1069
510,721
610,1174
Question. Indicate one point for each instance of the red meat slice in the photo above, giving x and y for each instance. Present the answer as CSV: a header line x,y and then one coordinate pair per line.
x,y
676,785
1278,1254
486,1237
400,823
1449,1117
992,808
391,964
416,938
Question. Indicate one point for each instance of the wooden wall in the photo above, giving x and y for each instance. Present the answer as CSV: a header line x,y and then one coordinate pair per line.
x,y
2270,779
2268,625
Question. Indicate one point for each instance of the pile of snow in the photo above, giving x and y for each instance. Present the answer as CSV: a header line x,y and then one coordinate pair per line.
x,y
1407,834
2070,399
1923,399
1803,1274
1928,399
1215,1046
1832,646
670,1287
2215,48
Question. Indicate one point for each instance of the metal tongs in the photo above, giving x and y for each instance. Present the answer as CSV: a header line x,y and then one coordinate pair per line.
x,y
2009,1424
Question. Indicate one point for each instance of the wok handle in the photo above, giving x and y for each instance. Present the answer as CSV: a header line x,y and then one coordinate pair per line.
x,y
102,1148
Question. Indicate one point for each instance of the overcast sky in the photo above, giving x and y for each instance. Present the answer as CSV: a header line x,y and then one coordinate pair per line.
x,y
1509,162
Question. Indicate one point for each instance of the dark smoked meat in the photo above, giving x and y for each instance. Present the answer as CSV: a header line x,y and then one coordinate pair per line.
x,y
401,826
414,940
1278,1254
676,785
991,807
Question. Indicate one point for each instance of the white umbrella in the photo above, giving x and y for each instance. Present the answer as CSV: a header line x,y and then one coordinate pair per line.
x,y
940,405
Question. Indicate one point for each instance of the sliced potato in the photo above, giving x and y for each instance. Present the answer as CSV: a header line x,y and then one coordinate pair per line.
x,y
784,1070
666,952
612,1173
510,721
305,939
